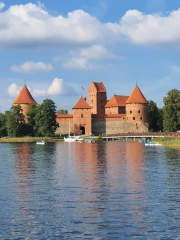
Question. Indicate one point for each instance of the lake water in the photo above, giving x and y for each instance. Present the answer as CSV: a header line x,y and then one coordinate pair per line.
x,y
103,190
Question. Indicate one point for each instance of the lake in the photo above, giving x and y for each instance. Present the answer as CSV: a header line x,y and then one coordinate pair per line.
x,y
101,190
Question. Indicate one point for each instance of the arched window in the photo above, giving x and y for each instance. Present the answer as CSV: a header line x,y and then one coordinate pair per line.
x,y
81,115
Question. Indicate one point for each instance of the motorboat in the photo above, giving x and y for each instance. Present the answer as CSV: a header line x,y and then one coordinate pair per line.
x,y
153,144
41,142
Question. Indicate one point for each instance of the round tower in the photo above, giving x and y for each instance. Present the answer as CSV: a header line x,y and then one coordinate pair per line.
x,y
137,107
24,99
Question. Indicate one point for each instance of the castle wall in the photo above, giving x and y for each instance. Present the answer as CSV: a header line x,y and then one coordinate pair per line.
x,y
65,124
116,124
115,110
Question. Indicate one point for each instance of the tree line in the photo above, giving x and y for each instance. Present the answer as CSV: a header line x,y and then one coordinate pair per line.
x,y
166,118
39,121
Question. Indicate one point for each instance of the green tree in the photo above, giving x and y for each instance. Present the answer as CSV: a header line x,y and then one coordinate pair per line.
x,y
160,119
45,118
153,115
15,122
3,125
33,109
62,111
171,111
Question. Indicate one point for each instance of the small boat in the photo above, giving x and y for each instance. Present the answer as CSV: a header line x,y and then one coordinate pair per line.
x,y
89,140
42,142
153,144
70,139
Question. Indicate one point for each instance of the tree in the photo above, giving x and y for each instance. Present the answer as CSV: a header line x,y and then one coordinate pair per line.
x,y
3,125
16,122
62,111
33,109
171,111
153,114
45,118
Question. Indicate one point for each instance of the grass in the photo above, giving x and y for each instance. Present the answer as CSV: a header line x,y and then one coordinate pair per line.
x,y
26,139
169,141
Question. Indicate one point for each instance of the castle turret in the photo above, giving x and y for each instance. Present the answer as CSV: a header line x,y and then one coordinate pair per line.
x,y
24,99
137,107
97,97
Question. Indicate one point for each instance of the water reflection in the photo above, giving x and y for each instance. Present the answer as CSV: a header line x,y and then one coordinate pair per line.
x,y
96,191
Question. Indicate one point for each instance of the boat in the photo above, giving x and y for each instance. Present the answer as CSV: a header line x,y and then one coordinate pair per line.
x,y
89,140
70,139
153,144
42,142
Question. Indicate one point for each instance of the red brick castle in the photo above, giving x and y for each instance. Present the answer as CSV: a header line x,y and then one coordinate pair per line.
x,y
120,114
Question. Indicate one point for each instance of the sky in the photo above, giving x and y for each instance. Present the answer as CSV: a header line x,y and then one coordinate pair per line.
x,y
57,48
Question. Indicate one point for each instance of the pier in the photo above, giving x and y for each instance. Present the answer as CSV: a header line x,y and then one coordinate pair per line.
x,y
136,136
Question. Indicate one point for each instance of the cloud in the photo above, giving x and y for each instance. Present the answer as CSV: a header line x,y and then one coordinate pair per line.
x,y
85,58
57,87
30,25
80,63
13,90
176,69
152,29
31,67
2,5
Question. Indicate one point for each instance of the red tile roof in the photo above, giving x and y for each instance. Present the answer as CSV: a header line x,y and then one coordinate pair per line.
x,y
117,101
81,104
100,86
24,97
136,96
64,116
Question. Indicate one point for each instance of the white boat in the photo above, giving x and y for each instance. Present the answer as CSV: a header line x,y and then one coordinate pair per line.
x,y
42,142
153,144
70,139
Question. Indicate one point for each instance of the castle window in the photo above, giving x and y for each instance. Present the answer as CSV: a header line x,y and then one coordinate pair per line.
x,y
139,111
133,118
140,118
130,111
81,115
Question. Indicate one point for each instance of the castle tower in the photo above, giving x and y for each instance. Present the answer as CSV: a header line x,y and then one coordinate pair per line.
x,y
137,107
97,97
82,117
24,99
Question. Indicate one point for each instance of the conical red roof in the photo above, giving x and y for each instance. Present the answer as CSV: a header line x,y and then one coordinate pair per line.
x,y
24,97
136,96
81,104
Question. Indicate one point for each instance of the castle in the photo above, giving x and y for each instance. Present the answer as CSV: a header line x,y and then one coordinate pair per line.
x,y
120,114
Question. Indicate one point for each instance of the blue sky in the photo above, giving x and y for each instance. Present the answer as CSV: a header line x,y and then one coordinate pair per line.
x,y
56,47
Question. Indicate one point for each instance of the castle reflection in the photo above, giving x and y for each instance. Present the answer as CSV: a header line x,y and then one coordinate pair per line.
x,y
108,168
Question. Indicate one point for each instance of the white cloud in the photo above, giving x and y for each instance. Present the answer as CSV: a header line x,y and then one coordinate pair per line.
x,y
152,29
85,58
2,5
57,87
13,90
176,69
80,63
31,67
31,25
